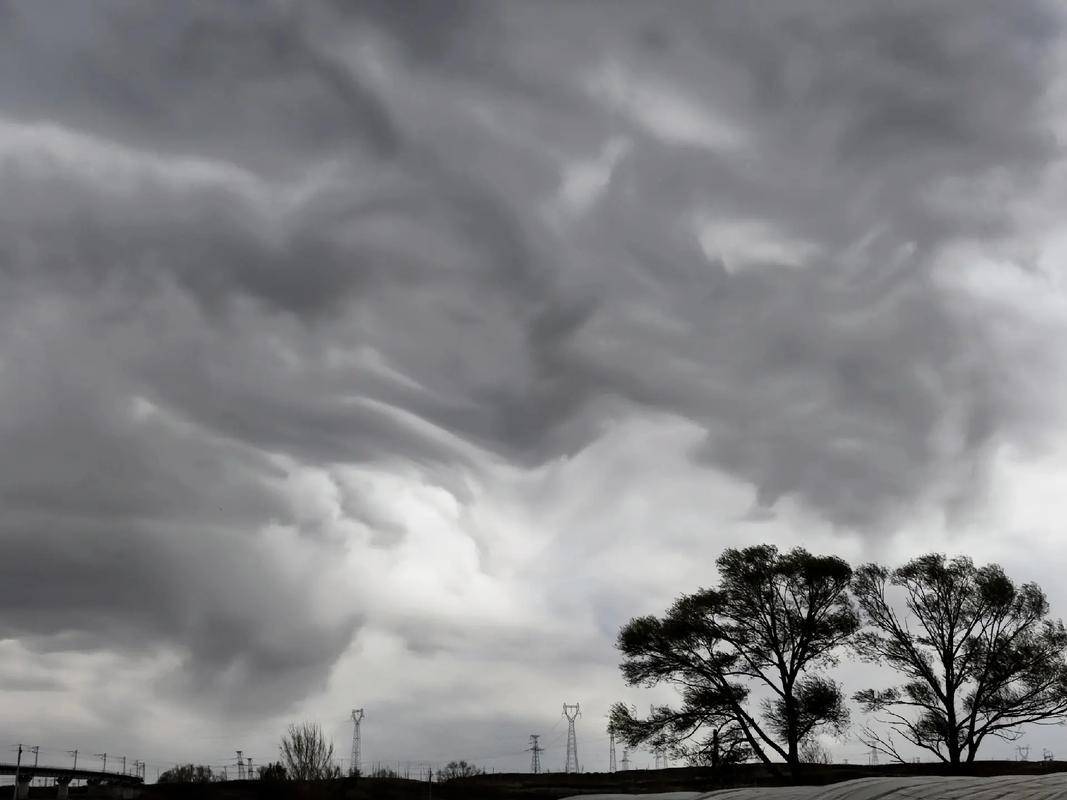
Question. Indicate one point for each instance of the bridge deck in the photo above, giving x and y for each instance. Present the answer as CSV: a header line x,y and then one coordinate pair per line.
x,y
45,771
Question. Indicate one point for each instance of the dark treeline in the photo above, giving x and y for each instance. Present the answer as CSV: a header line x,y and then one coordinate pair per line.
x,y
977,657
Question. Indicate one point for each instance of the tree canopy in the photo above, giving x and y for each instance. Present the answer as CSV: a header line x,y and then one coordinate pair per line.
x,y
774,621
273,772
458,769
187,773
978,654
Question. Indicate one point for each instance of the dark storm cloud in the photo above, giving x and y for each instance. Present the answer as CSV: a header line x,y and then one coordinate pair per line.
x,y
243,82
849,383
332,234
243,632
123,528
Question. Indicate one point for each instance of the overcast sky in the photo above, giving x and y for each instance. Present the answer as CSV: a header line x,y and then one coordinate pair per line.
x,y
395,354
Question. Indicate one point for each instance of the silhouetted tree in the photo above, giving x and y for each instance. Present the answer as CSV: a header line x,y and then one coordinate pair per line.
x,y
978,655
773,622
273,772
307,755
458,769
187,773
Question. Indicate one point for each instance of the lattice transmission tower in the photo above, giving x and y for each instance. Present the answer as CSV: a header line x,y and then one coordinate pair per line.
x,y
611,751
535,753
357,717
625,759
571,712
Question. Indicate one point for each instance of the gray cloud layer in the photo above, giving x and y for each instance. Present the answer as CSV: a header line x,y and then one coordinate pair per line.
x,y
439,236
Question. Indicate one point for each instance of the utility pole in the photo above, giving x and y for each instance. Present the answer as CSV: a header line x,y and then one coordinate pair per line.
x,y
18,764
357,743
36,750
611,752
75,754
571,712
535,753
124,765
240,765
104,757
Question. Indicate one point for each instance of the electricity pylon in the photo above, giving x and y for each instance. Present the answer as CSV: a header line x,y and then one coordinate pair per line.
x,y
611,753
571,712
625,759
535,753
240,765
357,744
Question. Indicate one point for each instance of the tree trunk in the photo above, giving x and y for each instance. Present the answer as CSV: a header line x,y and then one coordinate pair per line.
x,y
792,733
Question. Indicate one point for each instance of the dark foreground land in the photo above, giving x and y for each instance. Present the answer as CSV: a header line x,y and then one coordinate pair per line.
x,y
551,786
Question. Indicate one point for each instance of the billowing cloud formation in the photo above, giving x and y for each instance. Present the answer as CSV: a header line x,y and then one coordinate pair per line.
x,y
314,317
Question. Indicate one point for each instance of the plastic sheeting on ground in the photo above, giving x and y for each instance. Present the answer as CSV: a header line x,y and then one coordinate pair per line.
x,y
1023,787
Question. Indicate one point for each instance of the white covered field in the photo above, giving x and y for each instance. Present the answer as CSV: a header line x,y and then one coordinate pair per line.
x,y
1026,787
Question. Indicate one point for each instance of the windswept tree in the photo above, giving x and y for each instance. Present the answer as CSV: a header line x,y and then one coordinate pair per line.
x,y
773,623
673,731
978,655
307,755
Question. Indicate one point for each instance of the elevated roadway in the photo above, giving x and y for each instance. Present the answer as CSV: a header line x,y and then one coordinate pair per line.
x,y
63,776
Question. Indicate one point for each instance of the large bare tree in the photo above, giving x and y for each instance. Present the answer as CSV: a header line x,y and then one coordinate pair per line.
x,y
306,753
